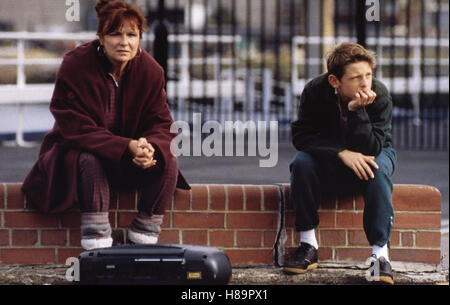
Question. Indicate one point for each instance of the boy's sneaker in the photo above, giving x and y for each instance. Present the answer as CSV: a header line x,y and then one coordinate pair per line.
x,y
380,270
303,260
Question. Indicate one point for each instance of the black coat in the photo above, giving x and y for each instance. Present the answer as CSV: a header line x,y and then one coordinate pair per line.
x,y
318,131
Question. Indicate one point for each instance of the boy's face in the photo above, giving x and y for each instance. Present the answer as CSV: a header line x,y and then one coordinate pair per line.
x,y
357,77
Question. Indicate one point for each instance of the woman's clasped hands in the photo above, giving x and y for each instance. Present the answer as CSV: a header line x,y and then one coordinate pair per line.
x,y
143,153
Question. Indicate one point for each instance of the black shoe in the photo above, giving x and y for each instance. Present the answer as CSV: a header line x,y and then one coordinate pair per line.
x,y
380,271
303,260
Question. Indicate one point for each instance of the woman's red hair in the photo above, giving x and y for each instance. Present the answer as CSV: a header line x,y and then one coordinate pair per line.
x,y
111,15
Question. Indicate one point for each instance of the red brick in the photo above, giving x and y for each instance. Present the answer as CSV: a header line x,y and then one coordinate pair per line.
x,y
407,239
345,202
127,200
328,202
64,254
15,198
54,237
75,238
182,200
349,220
428,239
235,197
270,238
4,238
290,238
357,238
199,197
29,220
271,198
252,197
198,220
24,237
417,221
415,255
416,198
248,239
359,202
250,257
169,237
395,238
327,219
332,237
252,220
195,237
27,256
325,253
361,254
125,219
217,196
289,219
221,238
167,222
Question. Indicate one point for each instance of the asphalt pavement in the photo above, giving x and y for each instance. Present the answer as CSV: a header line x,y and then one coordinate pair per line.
x,y
414,167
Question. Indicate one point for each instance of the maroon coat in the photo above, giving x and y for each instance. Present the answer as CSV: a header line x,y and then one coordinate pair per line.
x,y
78,105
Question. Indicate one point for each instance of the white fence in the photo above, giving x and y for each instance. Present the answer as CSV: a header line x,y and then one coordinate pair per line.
x,y
227,86
397,85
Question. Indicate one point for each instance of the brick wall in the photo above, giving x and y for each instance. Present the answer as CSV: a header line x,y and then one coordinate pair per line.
x,y
253,224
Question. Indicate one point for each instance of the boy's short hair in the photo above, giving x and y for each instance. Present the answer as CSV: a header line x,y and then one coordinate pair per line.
x,y
347,53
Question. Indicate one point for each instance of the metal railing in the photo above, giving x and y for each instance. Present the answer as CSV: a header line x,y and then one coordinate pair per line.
x,y
185,86
249,60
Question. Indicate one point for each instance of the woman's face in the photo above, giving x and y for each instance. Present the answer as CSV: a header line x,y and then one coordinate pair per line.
x,y
122,45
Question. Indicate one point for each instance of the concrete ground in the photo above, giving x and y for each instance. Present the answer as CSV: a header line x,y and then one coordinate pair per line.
x,y
414,167
328,273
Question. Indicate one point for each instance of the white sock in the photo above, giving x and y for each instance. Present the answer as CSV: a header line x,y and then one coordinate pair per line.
x,y
380,251
309,237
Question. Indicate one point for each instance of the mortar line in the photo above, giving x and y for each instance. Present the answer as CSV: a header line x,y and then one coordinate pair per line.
x,y
261,193
208,197
244,198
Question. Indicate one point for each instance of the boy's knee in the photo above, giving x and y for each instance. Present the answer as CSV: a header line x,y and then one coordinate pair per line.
x,y
386,163
302,165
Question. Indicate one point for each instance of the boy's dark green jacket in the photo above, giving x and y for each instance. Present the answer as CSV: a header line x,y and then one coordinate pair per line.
x,y
318,131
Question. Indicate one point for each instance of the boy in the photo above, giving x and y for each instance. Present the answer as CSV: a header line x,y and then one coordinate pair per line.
x,y
343,139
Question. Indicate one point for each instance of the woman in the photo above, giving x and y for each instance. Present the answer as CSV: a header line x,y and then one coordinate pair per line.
x,y
112,131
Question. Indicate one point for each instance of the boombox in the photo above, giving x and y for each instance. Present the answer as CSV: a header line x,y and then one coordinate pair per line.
x,y
160,264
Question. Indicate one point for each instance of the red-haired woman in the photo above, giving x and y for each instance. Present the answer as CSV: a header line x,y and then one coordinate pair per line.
x,y
112,131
